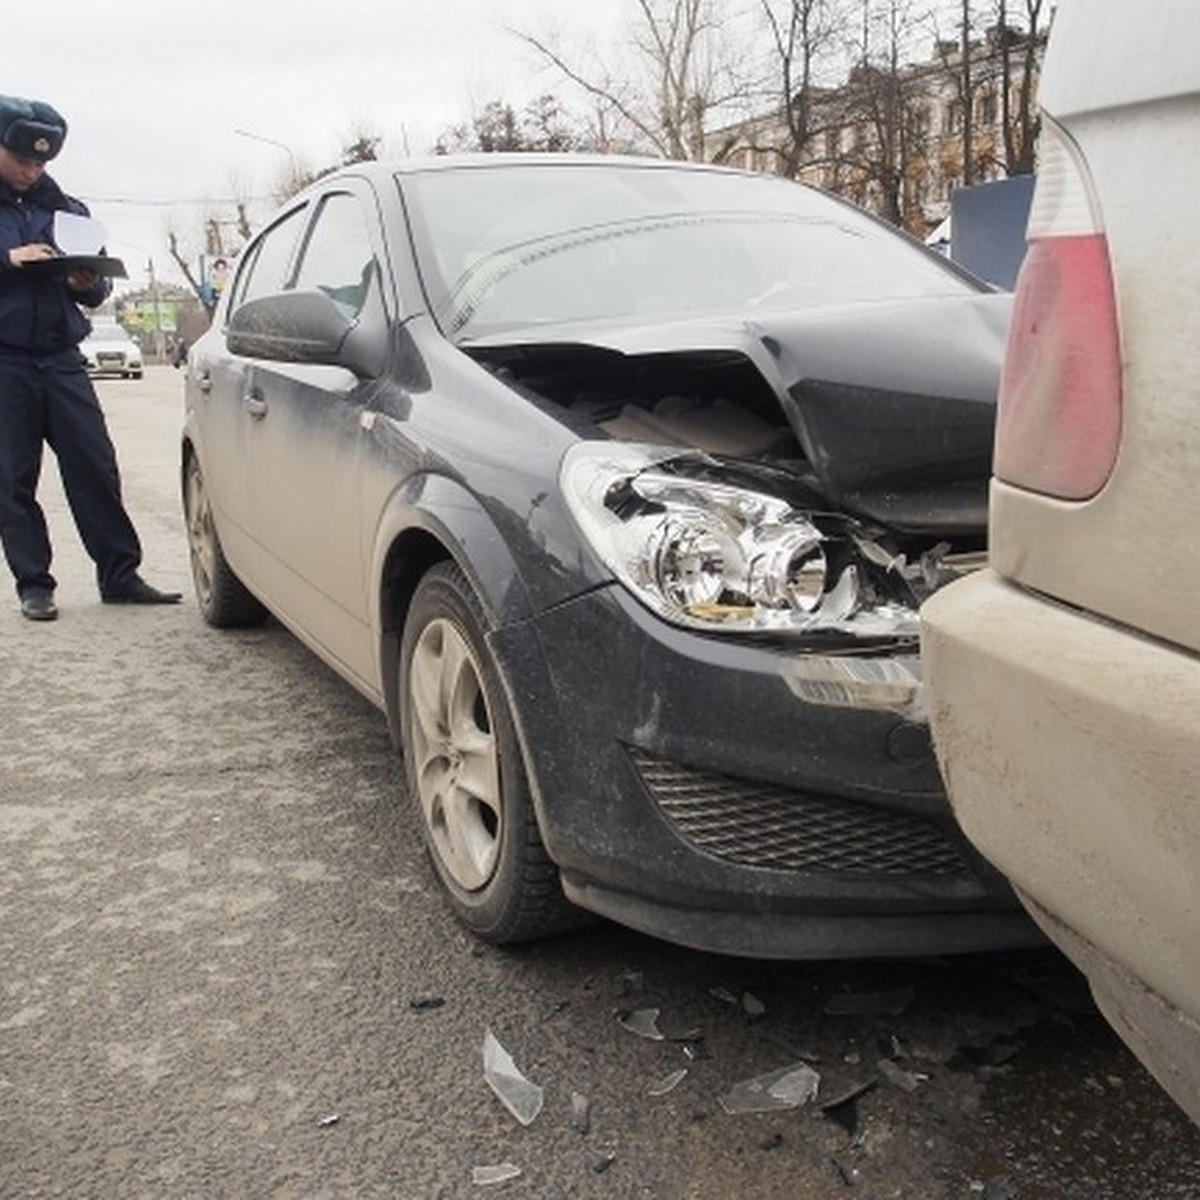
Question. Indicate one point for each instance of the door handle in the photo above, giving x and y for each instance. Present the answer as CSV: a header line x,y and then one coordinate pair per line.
x,y
256,404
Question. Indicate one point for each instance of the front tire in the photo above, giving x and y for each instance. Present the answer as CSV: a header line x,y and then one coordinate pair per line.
x,y
223,598
465,773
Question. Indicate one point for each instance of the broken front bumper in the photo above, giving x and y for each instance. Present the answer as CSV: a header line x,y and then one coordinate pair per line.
x,y
742,798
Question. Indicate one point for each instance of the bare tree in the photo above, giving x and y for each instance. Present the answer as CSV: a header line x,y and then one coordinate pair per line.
x,y
223,233
686,75
550,127
184,262
294,176
543,125
225,228
806,38
1020,127
884,107
993,70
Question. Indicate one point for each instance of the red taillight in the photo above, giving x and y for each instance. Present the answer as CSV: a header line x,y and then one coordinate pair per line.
x,y
1058,424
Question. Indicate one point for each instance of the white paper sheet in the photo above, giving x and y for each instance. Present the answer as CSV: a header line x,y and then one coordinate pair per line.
x,y
74,234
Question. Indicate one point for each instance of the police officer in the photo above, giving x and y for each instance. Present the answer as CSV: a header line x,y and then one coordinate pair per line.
x,y
45,393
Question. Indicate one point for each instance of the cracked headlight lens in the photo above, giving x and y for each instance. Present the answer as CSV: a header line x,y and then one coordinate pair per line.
x,y
711,553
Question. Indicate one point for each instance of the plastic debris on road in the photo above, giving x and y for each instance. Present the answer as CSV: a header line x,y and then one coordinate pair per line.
x,y
896,1075
522,1098
606,1160
870,1004
788,1087
426,1003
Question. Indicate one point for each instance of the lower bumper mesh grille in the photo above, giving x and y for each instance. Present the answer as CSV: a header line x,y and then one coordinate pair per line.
x,y
762,825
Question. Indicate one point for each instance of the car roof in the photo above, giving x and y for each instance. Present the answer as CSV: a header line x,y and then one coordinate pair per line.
x,y
379,168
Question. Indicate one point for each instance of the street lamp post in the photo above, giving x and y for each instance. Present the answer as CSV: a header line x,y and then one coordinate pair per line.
x,y
156,304
258,137
155,299
298,175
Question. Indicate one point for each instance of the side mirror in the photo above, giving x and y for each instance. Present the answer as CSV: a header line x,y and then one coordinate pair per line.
x,y
311,327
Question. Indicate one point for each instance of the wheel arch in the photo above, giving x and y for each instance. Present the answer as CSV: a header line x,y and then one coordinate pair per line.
x,y
433,519
187,451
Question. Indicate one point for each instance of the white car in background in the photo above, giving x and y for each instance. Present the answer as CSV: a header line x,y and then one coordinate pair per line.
x,y
1064,681
109,350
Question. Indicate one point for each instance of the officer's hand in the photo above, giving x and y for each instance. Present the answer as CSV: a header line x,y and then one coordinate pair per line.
x,y
81,281
34,252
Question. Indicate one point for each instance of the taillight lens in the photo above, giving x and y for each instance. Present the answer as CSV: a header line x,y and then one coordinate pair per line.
x,y
1058,424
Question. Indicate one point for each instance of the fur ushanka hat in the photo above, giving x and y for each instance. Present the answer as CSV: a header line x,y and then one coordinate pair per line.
x,y
31,128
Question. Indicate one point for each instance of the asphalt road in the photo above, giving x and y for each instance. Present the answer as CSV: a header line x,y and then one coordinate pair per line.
x,y
226,971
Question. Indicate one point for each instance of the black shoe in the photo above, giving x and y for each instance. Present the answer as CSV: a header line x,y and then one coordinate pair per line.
x,y
38,605
138,591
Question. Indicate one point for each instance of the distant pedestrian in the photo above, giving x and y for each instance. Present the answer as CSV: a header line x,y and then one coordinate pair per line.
x,y
46,396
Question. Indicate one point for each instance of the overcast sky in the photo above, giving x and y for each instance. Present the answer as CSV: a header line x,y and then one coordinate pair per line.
x,y
155,90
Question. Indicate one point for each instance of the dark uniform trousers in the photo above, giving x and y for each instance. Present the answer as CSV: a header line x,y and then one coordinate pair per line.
x,y
50,398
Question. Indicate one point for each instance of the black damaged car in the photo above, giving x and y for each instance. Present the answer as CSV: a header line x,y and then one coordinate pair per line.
x,y
617,484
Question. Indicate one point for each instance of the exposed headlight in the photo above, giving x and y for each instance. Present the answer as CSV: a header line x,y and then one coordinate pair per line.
x,y
713,553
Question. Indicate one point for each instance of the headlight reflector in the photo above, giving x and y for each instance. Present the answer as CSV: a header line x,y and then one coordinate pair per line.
x,y
707,547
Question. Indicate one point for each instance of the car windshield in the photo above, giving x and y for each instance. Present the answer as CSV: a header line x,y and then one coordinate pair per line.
x,y
108,333
506,247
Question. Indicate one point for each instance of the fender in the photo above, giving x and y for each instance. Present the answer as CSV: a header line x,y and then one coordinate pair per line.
x,y
431,518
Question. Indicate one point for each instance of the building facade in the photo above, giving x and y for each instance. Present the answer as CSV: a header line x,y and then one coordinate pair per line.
x,y
898,142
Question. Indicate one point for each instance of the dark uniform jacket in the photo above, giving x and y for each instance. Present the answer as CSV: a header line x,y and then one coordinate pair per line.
x,y
38,314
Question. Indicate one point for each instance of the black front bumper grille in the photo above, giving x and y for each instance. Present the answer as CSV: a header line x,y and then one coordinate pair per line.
x,y
762,825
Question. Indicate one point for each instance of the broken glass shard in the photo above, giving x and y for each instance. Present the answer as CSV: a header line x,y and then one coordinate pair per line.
x,y
631,982
788,1087
522,1098
496,1173
842,1109
643,1022
668,1083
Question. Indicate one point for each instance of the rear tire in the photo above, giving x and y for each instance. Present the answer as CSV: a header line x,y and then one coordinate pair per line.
x,y
223,598
465,773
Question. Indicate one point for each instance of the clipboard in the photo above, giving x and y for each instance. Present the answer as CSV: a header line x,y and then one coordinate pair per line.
x,y
64,264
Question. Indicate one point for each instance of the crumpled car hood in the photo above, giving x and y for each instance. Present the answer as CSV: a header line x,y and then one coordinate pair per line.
x,y
892,402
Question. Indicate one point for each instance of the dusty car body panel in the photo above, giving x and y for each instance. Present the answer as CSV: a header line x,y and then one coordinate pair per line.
x,y
860,830
1064,681
337,489
1061,740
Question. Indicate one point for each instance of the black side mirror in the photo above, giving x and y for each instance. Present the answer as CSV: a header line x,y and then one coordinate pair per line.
x,y
313,327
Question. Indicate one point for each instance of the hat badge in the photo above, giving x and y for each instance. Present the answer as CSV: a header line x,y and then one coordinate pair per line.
x,y
41,145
